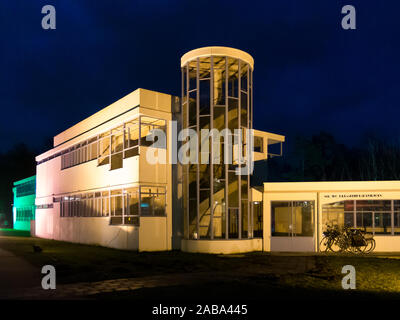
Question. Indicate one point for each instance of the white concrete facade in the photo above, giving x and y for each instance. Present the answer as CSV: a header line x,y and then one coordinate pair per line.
x,y
222,246
54,182
324,193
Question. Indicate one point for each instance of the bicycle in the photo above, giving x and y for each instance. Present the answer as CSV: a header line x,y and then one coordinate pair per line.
x,y
370,242
346,239
353,240
329,241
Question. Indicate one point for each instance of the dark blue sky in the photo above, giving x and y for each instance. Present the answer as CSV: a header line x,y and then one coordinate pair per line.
x,y
310,74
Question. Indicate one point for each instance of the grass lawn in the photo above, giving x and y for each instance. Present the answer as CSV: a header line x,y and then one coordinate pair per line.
x,y
80,263
252,275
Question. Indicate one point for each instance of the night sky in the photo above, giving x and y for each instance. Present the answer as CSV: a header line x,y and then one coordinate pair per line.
x,y
310,74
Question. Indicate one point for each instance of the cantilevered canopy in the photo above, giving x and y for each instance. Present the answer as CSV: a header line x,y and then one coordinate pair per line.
x,y
262,141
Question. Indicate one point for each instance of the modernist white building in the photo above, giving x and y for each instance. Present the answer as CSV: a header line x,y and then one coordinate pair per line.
x,y
96,185
102,189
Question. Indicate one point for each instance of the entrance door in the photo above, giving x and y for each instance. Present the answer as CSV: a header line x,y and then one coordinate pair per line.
x,y
292,226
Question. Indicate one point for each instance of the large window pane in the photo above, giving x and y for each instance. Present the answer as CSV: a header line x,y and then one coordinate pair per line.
x,y
364,221
243,76
397,222
244,184
193,219
383,223
233,116
233,190
204,176
146,204
245,219
257,220
117,140
116,203
192,74
192,109
133,201
303,218
192,184
204,214
373,205
92,151
159,205
281,225
105,203
374,216
233,223
233,81
292,218
219,81
204,97
243,108
204,67
219,118
219,222
184,84
104,149
250,115
349,219
333,214
132,134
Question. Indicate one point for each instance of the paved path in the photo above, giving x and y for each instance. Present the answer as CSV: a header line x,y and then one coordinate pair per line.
x,y
86,289
278,265
16,275
20,280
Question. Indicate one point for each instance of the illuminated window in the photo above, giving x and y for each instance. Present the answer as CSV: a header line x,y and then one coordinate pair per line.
x,y
123,206
152,201
25,214
25,189
373,216
147,125
131,138
292,218
112,146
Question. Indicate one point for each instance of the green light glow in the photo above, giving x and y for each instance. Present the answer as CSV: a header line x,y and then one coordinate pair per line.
x,y
24,203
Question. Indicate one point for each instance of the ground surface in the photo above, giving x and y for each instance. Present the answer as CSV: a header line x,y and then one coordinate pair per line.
x,y
92,272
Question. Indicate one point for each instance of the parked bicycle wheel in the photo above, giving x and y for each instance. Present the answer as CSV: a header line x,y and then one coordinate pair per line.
x,y
339,244
370,245
343,242
354,249
325,244
362,248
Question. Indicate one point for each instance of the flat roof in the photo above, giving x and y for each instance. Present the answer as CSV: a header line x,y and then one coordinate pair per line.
x,y
144,98
272,137
327,186
217,51
16,183
140,101
120,106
